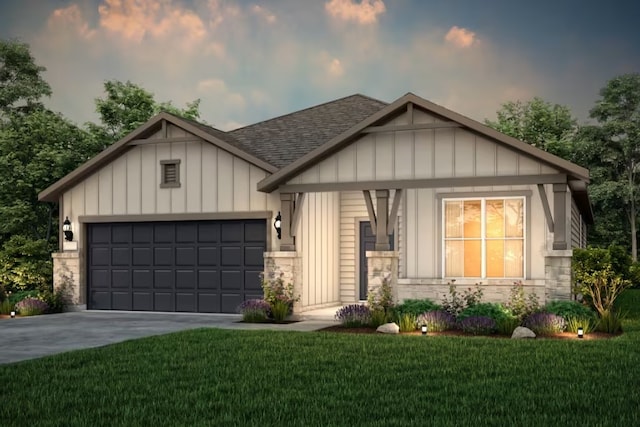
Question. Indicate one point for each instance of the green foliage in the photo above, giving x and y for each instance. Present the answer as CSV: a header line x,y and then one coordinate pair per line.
x,y
416,306
455,303
407,322
506,325
280,310
25,264
16,297
520,305
279,295
610,321
591,259
57,300
31,307
6,307
381,298
588,324
568,309
378,317
486,309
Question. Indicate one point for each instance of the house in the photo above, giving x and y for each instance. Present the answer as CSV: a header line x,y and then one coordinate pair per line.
x,y
179,216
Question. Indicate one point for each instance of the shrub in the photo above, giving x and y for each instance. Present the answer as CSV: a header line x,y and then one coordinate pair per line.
x,y
16,297
416,307
589,260
25,264
254,310
280,310
567,309
487,309
519,305
610,322
354,315
602,287
6,307
544,323
478,325
31,307
436,321
378,317
279,295
407,322
588,324
456,302
58,299
506,325
382,297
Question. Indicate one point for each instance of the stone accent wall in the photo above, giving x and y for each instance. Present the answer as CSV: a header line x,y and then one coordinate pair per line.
x,y
382,265
67,272
557,269
289,264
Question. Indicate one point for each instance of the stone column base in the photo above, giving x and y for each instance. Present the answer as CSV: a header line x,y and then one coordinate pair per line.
x,y
557,272
66,274
289,264
382,265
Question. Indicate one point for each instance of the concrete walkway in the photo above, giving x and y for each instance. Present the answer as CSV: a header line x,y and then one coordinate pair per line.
x,y
32,337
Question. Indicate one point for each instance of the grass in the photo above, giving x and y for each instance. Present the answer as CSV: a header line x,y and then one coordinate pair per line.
x,y
224,377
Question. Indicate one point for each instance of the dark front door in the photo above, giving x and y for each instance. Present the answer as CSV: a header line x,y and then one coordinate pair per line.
x,y
195,266
367,243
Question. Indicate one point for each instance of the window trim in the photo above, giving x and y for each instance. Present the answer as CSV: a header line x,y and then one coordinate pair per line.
x,y
163,166
483,196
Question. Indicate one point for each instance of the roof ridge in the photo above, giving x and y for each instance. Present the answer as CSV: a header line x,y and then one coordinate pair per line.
x,y
309,108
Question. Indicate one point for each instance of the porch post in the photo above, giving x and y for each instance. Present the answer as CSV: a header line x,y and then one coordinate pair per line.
x,y
287,242
382,216
560,216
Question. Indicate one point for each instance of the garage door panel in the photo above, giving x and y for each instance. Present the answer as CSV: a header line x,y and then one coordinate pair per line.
x,y
186,256
186,301
162,257
208,279
185,279
120,279
163,279
143,301
142,279
121,300
208,302
190,266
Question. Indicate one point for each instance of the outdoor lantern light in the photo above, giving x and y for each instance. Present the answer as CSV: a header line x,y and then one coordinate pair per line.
x,y
13,314
277,224
424,329
580,332
66,229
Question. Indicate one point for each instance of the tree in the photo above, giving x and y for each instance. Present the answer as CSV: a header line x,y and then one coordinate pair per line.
x,y
127,106
21,84
616,147
550,127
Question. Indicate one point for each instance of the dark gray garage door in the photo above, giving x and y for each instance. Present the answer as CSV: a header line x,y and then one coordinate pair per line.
x,y
197,266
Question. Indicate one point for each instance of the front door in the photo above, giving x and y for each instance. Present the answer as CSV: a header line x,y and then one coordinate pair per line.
x,y
367,243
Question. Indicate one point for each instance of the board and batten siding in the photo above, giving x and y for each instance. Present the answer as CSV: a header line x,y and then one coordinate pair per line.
x,y
353,210
420,154
318,243
211,181
578,228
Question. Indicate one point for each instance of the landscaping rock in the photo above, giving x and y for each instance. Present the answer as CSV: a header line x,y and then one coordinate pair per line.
x,y
389,328
522,332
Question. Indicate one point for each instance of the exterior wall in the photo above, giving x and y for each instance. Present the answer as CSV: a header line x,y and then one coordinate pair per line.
x,y
578,228
420,154
318,245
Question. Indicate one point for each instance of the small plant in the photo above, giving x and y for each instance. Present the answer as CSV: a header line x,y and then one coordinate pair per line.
x,y
254,310
416,306
456,302
280,310
378,317
31,307
610,322
407,322
506,325
382,298
436,321
519,305
279,295
354,315
478,325
544,323
588,324
486,309
58,299
6,307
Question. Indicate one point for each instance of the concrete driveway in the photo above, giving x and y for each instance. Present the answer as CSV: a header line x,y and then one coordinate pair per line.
x,y
32,337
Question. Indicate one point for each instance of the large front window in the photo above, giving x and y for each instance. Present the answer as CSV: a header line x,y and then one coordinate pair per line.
x,y
484,237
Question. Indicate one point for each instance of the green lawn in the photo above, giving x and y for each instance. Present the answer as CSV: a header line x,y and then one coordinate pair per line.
x,y
222,377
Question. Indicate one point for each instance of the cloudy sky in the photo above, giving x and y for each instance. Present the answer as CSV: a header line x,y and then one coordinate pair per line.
x,y
252,60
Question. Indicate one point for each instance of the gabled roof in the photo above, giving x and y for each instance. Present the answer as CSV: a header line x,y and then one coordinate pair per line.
x,y
338,142
214,136
284,139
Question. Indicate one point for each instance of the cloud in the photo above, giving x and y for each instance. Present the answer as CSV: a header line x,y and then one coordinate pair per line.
x,y
217,89
263,13
72,21
364,12
460,37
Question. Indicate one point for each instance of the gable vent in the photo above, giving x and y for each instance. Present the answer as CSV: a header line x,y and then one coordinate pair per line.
x,y
170,173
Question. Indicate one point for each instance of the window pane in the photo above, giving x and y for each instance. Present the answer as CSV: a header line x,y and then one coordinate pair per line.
x,y
453,219
472,218
495,258
472,258
454,258
495,218
514,212
514,258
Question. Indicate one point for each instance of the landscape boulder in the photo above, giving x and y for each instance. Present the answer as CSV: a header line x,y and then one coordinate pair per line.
x,y
389,328
522,332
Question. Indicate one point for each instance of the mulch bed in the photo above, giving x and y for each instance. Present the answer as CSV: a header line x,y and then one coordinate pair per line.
x,y
458,333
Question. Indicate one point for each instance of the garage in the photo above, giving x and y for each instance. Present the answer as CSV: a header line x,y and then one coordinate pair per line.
x,y
183,266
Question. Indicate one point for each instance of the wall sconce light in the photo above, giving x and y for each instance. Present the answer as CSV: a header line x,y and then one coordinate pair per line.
x,y
277,224
424,329
13,314
66,229
580,332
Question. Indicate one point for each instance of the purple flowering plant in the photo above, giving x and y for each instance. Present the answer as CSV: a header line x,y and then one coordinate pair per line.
x,y
543,323
254,310
437,320
31,307
354,315
478,325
